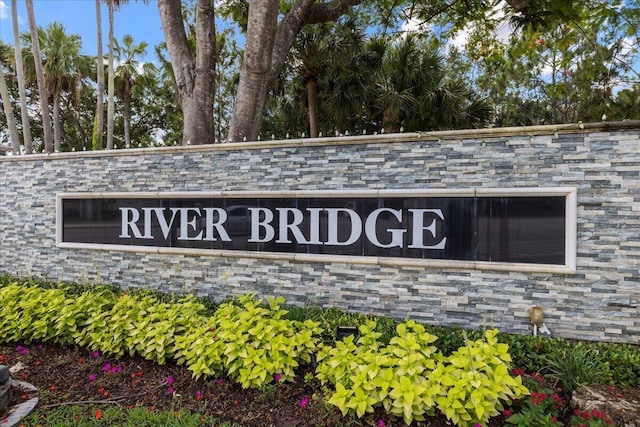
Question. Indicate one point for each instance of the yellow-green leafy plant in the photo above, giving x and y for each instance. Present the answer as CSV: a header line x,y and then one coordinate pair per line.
x,y
159,324
259,343
369,374
475,381
200,349
29,313
252,342
111,331
79,312
43,305
97,307
16,315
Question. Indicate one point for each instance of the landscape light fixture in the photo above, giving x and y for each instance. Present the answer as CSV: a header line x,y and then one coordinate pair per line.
x,y
536,316
344,331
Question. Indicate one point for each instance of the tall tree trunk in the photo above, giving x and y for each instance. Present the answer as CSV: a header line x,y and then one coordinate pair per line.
x,y
389,120
312,103
111,89
251,94
57,137
195,77
8,112
267,45
42,90
127,120
26,127
97,143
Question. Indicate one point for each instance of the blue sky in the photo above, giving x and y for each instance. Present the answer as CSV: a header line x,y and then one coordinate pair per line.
x,y
140,20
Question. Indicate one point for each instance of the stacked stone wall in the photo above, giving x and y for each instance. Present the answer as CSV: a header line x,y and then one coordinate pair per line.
x,y
598,302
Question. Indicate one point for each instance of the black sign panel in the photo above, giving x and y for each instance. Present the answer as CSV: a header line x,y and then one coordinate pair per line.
x,y
498,229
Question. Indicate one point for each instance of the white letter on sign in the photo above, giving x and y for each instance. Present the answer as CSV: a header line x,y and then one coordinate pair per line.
x,y
396,235
256,224
284,225
185,224
129,218
418,227
333,224
218,225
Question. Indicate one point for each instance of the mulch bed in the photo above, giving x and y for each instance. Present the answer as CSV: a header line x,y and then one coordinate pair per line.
x,y
77,376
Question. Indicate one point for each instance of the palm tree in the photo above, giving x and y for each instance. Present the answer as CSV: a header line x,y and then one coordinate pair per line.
x,y
112,6
97,142
313,49
26,128
42,90
329,61
347,90
399,80
8,111
61,54
130,73
414,91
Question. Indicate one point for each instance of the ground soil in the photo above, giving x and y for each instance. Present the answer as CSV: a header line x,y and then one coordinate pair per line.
x,y
71,375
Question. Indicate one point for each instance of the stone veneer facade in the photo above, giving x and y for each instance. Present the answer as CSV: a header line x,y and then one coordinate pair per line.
x,y
598,302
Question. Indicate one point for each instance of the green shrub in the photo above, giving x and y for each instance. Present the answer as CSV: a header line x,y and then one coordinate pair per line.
x,y
576,367
371,374
476,382
410,380
251,342
529,352
623,361
259,343
200,349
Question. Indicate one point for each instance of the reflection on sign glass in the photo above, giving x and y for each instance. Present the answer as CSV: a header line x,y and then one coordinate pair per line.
x,y
497,229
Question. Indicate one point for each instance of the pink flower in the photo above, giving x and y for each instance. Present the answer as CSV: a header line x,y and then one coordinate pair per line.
x,y
304,402
171,391
381,423
507,412
277,377
170,380
220,380
92,377
199,395
95,354
106,367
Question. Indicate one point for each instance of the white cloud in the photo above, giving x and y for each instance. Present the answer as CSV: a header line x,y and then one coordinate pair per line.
x,y
460,39
411,25
4,10
502,33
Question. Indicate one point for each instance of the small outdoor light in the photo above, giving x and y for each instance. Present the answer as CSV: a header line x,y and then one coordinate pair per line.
x,y
536,315
345,331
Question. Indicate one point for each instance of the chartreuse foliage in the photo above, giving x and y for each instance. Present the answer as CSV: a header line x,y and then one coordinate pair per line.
x,y
475,381
369,374
410,380
248,341
244,339
259,342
